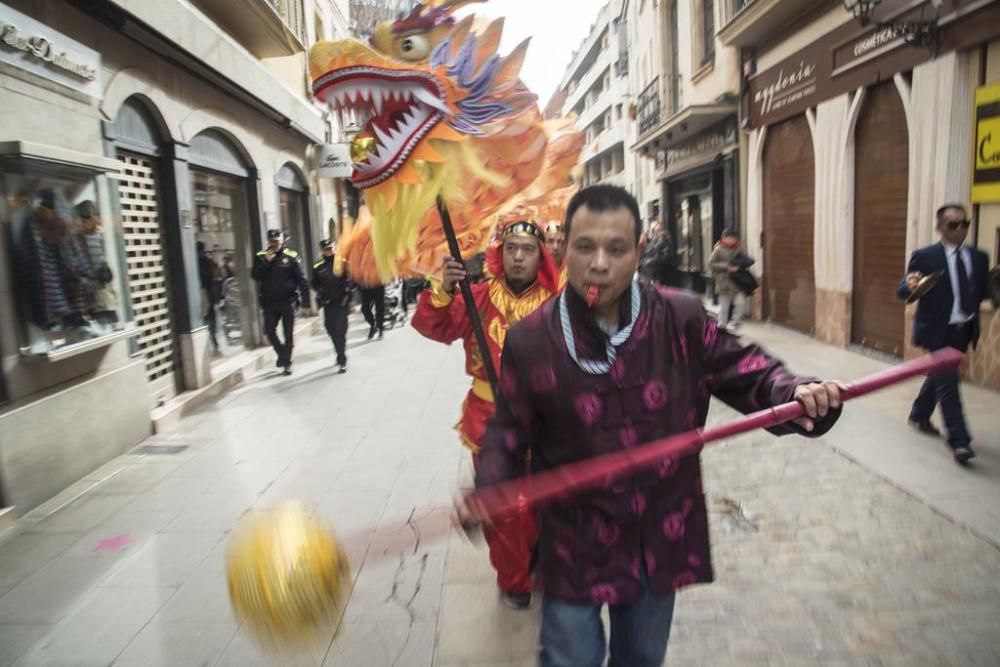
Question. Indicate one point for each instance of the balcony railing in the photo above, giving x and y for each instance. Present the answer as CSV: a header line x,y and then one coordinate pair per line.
x,y
291,12
648,108
731,8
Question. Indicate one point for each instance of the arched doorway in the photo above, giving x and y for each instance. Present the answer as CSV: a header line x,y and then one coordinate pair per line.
x,y
881,175
136,137
226,230
789,194
293,205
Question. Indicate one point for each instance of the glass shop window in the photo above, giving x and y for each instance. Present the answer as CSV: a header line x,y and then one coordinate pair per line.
x,y
65,255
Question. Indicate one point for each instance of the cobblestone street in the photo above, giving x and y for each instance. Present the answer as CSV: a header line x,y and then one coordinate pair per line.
x,y
820,557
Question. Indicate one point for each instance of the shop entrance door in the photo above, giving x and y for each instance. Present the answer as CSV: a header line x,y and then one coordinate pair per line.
x,y
138,190
789,193
881,173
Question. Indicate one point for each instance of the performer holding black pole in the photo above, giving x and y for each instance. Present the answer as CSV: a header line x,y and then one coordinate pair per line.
x,y
522,279
606,366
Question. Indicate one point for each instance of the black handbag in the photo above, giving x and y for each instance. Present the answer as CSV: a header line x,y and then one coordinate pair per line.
x,y
745,281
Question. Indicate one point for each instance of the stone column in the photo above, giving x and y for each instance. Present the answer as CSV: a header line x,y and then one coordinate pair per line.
x,y
178,229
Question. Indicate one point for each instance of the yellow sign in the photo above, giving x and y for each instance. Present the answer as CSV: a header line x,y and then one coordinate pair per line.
x,y
986,175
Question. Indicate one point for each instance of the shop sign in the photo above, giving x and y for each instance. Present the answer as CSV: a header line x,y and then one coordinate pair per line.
x,y
36,48
334,161
708,144
786,86
986,172
850,56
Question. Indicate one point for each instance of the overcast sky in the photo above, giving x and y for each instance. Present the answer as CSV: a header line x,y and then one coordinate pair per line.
x,y
556,28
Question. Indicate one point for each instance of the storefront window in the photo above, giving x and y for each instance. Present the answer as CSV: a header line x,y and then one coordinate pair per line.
x,y
223,268
291,217
66,258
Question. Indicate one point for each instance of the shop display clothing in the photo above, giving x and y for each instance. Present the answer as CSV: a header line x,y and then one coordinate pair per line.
x,y
54,271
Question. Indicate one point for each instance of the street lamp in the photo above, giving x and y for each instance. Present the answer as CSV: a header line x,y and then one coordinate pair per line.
x,y
915,33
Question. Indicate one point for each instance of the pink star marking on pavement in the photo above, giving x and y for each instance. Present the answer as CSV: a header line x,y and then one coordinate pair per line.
x,y
116,543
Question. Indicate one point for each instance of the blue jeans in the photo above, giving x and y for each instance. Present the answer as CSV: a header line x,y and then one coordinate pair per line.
x,y
573,634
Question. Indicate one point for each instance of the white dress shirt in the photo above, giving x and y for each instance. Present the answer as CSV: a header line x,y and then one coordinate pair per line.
x,y
952,252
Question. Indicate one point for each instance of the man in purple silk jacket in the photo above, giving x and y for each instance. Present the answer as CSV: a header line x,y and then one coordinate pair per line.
x,y
579,382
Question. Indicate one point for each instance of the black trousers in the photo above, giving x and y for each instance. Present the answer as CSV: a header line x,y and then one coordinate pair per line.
x,y
942,388
374,296
283,312
335,319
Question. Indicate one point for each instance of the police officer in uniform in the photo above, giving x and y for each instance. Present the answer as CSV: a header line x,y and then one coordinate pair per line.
x,y
333,293
279,273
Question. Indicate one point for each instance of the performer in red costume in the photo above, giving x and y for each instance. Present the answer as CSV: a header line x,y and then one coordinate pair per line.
x,y
521,278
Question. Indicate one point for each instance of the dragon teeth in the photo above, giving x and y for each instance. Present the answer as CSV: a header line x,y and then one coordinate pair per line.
x,y
428,98
383,138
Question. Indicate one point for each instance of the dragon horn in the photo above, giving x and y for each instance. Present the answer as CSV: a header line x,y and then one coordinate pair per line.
x,y
510,68
488,41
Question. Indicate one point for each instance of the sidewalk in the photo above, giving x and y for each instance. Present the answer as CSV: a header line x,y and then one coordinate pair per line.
x,y
854,549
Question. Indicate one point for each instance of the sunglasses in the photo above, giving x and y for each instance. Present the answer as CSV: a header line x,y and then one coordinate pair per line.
x,y
955,224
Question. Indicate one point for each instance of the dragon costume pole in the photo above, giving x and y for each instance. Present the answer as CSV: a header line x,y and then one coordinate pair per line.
x,y
470,304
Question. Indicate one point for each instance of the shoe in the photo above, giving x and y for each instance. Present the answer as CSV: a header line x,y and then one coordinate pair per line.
x,y
963,453
371,333
519,601
925,427
343,369
381,334
286,371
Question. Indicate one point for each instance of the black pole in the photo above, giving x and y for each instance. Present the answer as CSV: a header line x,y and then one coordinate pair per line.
x,y
470,305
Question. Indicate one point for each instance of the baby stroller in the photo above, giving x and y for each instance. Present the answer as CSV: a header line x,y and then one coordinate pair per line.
x,y
232,305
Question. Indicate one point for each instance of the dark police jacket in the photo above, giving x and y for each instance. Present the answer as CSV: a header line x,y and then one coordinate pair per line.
x,y
930,326
280,278
331,290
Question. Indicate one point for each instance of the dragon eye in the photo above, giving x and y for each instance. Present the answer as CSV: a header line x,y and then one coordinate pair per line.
x,y
414,47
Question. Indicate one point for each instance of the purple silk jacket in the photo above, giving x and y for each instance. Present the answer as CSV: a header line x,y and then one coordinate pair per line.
x,y
590,545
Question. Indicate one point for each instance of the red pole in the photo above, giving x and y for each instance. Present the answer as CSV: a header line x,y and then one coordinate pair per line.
x,y
566,480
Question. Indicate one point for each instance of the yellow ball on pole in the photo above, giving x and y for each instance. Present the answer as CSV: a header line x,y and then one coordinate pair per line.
x,y
288,577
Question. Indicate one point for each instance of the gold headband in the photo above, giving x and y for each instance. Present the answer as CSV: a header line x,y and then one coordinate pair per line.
x,y
524,228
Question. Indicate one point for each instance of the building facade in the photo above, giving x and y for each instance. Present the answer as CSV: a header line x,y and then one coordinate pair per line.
x,y
686,124
145,148
595,90
855,138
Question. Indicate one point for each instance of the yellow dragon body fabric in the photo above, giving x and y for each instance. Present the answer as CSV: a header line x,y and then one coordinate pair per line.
x,y
443,115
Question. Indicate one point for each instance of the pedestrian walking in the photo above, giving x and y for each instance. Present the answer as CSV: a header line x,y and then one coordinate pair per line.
x,y
659,259
726,261
279,273
210,278
373,309
522,278
949,281
609,364
333,295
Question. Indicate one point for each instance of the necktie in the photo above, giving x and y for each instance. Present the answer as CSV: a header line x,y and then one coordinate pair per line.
x,y
964,288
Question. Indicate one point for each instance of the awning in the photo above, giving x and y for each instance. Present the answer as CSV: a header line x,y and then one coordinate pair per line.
x,y
685,124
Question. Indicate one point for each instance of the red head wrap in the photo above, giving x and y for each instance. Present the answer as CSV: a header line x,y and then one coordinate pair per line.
x,y
548,276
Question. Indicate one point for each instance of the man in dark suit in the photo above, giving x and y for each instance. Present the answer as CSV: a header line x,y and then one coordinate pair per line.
x,y
947,316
